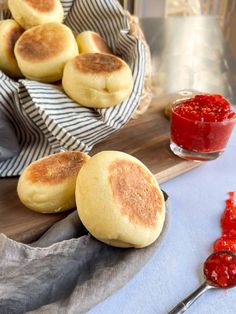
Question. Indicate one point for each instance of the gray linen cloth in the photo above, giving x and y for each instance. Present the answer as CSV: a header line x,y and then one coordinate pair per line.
x,y
65,271
9,146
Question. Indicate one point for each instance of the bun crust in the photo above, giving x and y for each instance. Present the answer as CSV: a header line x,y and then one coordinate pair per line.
x,y
133,191
30,13
35,46
42,5
98,63
48,184
119,200
42,51
89,42
97,80
10,31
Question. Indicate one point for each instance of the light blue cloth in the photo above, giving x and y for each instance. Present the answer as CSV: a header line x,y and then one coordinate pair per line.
x,y
196,204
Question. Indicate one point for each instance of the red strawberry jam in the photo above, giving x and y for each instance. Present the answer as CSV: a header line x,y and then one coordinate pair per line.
x,y
220,269
202,123
225,243
228,224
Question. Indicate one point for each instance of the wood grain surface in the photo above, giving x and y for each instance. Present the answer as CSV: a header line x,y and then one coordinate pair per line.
x,y
146,138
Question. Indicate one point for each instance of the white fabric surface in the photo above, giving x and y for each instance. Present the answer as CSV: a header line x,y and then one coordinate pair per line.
x,y
196,204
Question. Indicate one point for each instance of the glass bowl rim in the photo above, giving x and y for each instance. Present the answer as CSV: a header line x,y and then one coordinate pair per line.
x,y
226,121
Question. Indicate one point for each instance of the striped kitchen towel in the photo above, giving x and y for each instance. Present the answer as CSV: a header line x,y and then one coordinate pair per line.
x,y
44,119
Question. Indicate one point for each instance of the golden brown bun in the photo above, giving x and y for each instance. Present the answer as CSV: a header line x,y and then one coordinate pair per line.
x,y
48,184
91,42
119,201
97,80
42,51
30,13
10,31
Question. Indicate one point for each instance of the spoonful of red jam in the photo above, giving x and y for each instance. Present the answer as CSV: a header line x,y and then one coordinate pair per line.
x,y
220,269
220,272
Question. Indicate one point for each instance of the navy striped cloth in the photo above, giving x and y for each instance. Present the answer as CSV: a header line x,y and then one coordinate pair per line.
x,y
45,120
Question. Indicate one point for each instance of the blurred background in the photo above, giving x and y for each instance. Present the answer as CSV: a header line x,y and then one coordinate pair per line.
x,y
193,44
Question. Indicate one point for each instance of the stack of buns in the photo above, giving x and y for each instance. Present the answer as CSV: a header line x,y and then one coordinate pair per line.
x,y
36,45
118,199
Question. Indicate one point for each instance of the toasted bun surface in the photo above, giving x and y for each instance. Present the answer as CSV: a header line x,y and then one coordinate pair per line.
x,y
97,80
48,184
10,31
42,51
89,42
30,13
98,63
119,200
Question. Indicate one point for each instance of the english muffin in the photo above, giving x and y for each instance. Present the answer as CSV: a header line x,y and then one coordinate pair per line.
x,y
10,31
43,50
89,41
29,13
119,200
97,80
48,184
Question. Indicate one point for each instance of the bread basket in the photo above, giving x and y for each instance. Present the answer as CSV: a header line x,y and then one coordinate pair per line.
x,y
45,120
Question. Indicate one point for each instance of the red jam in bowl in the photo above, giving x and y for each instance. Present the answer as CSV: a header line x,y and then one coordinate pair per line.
x,y
220,269
202,123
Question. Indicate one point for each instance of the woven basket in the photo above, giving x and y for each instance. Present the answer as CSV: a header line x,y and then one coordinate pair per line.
x,y
146,96
137,32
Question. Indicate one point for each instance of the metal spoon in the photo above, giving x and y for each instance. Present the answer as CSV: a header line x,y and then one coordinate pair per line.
x,y
189,300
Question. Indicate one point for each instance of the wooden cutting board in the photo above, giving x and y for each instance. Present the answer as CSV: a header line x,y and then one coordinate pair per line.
x,y
146,138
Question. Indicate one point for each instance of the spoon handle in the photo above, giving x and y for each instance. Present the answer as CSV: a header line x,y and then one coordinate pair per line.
x,y
187,302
